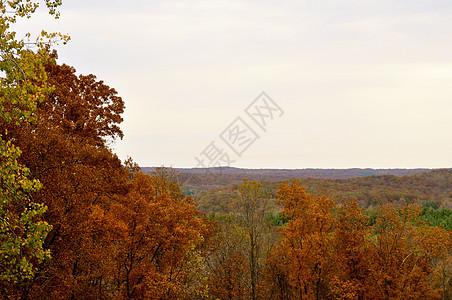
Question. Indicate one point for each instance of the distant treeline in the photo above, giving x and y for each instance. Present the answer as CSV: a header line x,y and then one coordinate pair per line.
x,y
229,173
434,186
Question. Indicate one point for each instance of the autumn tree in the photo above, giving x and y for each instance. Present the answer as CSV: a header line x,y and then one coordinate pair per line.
x,y
228,266
442,272
250,207
21,233
66,149
276,274
400,253
162,253
349,270
304,247
335,251
322,251
116,232
22,86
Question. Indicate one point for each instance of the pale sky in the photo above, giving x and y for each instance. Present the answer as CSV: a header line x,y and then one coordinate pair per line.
x,y
360,83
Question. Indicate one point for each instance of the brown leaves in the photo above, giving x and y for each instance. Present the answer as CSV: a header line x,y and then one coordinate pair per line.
x,y
79,176
82,106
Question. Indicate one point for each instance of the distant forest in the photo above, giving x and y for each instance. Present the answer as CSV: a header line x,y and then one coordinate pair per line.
x,y
370,187
284,174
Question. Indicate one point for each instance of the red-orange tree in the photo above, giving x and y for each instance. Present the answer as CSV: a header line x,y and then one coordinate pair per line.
x,y
349,272
400,253
333,251
162,253
65,148
304,248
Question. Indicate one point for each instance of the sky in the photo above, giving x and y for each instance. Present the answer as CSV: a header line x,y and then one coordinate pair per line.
x,y
348,84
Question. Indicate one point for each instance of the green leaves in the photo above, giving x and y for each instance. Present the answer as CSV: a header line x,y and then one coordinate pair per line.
x,y
23,84
21,236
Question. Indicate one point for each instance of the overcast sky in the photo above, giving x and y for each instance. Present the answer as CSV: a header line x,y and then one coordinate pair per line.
x,y
352,83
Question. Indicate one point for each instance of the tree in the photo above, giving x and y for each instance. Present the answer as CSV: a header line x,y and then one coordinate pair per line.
x,y
400,254
23,86
66,149
21,233
277,278
250,206
305,243
349,269
162,253
228,267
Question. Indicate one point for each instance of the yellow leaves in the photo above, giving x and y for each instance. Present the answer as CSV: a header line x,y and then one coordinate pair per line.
x,y
24,85
17,209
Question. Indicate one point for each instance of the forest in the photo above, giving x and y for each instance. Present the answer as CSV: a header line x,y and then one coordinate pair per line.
x,y
430,188
76,222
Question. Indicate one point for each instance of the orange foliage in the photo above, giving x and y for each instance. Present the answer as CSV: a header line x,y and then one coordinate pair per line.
x,y
161,253
111,238
65,148
305,240
331,251
399,255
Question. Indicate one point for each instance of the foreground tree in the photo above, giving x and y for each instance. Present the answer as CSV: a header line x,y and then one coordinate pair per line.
x,y
66,149
23,86
21,233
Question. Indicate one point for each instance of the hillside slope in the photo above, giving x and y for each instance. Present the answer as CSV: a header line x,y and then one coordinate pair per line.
x,y
216,193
